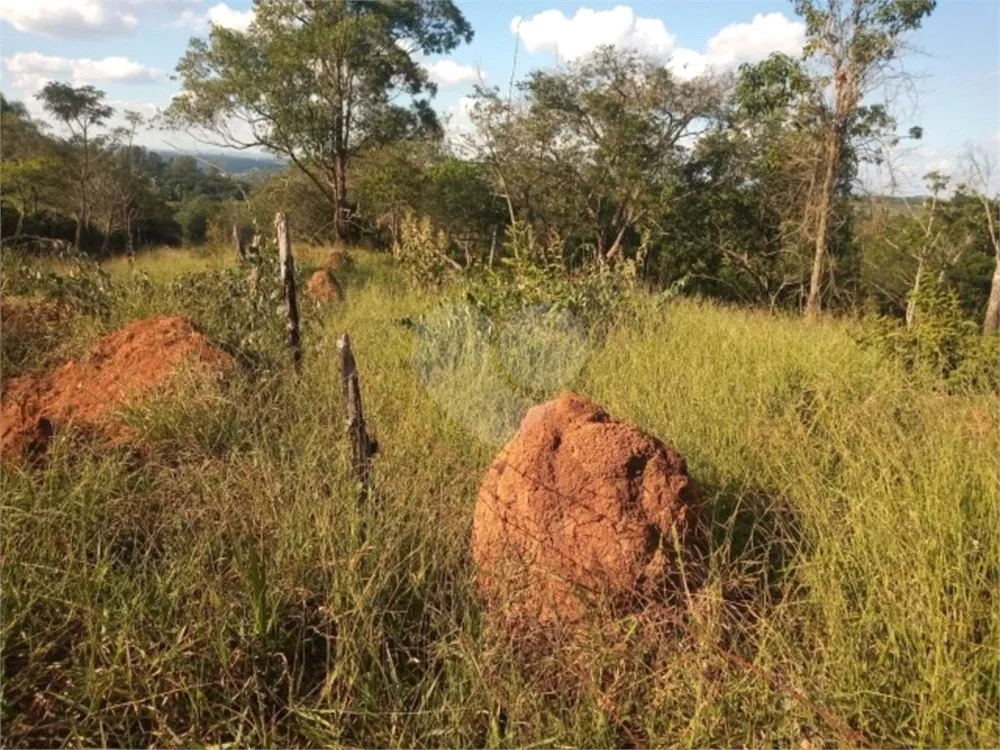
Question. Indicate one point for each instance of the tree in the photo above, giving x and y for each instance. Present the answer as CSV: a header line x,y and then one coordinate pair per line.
x,y
594,147
906,242
122,185
390,181
980,170
29,165
194,216
737,227
854,44
318,81
80,110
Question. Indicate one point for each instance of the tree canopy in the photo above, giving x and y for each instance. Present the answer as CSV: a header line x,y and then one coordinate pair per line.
x,y
318,82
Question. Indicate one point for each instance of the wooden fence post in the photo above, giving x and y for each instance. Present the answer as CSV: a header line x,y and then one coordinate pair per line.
x,y
363,446
237,241
288,287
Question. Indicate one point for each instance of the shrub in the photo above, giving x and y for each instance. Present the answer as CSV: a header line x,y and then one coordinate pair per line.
x,y
423,251
533,274
940,346
82,284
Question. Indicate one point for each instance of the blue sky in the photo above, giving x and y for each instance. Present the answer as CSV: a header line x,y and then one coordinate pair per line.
x,y
129,48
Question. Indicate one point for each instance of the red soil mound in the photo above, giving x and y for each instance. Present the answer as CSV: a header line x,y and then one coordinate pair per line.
x,y
124,365
323,287
573,511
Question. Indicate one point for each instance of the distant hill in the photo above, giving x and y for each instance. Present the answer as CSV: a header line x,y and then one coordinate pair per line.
x,y
235,165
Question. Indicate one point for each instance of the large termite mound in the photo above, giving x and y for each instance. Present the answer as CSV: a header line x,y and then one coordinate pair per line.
x,y
323,287
122,366
580,510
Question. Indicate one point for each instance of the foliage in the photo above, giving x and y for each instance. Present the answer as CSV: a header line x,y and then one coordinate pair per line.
x,y
850,567
533,275
194,215
594,148
416,176
941,346
268,78
79,282
241,307
942,236
423,251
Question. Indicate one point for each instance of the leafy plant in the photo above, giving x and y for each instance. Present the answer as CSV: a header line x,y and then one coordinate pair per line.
x,y
423,251
81,284
241,307
533,274
940,345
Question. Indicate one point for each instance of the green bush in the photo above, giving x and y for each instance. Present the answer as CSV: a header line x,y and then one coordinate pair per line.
x,y
423,251
80,281
940,346
242,308
534,274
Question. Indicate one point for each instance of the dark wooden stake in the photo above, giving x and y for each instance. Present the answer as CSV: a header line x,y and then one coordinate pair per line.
x,y
363,446
288,287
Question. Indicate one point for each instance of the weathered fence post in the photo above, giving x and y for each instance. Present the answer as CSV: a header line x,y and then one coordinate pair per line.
x,y
363,446
238,241
288,287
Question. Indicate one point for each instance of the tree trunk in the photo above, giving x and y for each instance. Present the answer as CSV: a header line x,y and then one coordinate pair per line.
x,y
823,208
238,242
493,246
20,224
106,242
340,223
78,238
129,241
992,322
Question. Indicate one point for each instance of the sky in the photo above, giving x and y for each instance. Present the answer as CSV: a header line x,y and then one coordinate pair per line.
x,y
130,48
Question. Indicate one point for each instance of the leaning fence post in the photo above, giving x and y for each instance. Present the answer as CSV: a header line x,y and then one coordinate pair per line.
x,y
363,446
288,287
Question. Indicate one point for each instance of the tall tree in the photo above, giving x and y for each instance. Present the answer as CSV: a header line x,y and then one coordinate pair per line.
x,y
318,81
854,45
81,110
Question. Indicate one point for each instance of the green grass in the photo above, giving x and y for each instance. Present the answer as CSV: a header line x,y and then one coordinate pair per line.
x,y
227,588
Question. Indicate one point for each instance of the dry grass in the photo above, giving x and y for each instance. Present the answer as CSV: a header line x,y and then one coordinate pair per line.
x,y
228,589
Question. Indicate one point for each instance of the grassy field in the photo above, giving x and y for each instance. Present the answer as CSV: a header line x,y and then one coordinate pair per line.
x,y
228,589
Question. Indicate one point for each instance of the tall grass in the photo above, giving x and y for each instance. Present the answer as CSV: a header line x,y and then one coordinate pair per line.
x,y
224,586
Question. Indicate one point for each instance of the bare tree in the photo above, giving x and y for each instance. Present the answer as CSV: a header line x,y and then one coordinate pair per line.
x,y
856,43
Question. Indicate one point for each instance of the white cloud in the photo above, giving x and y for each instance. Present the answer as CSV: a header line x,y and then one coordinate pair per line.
x,y
237,20
31,70
752,42
740,43
460,131
218,15
68,18
450,73
572,38
189,19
